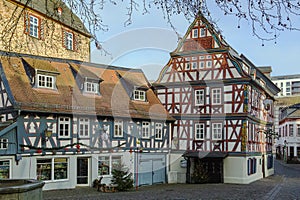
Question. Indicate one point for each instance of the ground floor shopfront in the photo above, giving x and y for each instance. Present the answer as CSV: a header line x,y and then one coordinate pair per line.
x,y
69,171
218,167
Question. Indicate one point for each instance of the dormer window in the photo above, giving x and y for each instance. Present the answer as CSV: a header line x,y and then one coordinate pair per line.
x,y
45,81
139,95
41,73
91,87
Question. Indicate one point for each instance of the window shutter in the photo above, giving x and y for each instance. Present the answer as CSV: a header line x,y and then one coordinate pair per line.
x,y
26,22
41,29
64,38
75,42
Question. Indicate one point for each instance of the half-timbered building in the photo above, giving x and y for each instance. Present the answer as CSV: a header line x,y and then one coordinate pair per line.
x,y
223,106
288,143
67,122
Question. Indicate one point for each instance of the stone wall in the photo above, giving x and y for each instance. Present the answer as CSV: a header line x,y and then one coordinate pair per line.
x,y
14,39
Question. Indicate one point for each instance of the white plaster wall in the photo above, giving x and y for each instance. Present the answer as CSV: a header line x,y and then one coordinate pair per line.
x,y
235,170
176,174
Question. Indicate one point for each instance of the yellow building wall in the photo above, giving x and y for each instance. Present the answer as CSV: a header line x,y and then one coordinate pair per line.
x,y
14,39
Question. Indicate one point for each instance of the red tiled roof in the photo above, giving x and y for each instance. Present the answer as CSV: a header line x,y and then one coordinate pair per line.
x,y
69,99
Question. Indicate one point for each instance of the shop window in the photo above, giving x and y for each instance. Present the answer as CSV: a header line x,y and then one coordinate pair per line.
x,y
52,169
4,169
106,164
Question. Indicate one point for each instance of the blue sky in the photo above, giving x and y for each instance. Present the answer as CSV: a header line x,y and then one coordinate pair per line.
x,y
147,42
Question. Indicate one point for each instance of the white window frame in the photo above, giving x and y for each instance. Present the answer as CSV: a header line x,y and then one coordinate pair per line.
x,y
45,81
146,130
34,26
91,87
216,98
298,130
69,40
199,131
158,131
217,131
139,95
291,130
84,127
195,33
111,161
118,128
65,122
194,65
202,32
3,143
52,168
199,97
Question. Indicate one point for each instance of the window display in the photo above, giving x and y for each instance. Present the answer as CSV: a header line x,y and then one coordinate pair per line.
x,y
52,169
4,169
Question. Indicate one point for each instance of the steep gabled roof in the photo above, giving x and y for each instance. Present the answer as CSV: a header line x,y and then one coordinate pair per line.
x,y
212,43
49,9
68,98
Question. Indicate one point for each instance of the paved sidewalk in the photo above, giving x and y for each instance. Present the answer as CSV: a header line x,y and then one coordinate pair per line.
x,y
255,190
283,185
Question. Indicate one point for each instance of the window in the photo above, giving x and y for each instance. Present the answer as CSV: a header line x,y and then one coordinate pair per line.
x,y
146,130
64,127
270,161
251,165
199,131
194,65
106,164
103,166
291,130
84,126
202,32
91,87
118,131
4,169
52,169
199,97
195,33
3,143
217,131
205,61
202,64
298,130
139,95
216,96
45,81
158,131
68,40
33,26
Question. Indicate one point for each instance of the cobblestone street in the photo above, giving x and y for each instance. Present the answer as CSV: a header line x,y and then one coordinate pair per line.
x,y
285,184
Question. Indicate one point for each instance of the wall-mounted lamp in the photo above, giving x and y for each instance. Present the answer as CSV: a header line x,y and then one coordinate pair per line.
x,y
46,136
